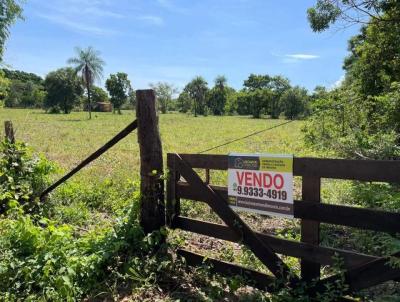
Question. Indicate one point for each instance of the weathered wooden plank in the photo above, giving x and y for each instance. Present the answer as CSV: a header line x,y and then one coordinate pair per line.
x,y
172,201
311,188
363,170
256,279
367,275
9,132
368,219
152,204
233,220
322,255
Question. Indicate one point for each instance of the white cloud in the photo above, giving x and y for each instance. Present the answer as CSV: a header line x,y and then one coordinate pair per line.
x,y
152,20
302,56
77,26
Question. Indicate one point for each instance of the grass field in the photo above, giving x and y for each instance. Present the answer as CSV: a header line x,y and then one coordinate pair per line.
x,y
67,139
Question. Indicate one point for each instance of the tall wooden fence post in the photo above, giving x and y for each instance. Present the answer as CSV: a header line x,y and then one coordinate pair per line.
x,y
152,204
9,131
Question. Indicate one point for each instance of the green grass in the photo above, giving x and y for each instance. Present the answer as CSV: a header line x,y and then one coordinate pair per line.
x,y
68,139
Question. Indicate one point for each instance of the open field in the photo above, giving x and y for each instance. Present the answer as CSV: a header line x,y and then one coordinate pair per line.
x,y
67,139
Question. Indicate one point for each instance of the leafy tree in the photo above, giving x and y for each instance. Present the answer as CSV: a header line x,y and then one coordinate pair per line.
x,y
10,11
118,86
24,95
164,92
294,102
22,76
4,87
217,96
197,90
253,102
132,98
184,103
99,95
89,64
63,90
257,82
358,119
327,12
278,85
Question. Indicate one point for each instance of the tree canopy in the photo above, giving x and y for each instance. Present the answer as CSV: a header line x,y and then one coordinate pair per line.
x,y
64,90
118,86
10,12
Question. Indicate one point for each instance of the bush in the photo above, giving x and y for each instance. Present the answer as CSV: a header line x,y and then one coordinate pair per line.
x,y
22,175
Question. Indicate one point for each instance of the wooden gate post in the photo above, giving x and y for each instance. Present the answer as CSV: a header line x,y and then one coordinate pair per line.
x,y
9,131
152,204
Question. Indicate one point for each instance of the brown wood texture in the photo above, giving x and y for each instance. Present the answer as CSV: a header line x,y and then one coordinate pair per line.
x,y
152,204
312,253
334,214
363,170
9,132
257,279
311,187
262,251
364,276
172,200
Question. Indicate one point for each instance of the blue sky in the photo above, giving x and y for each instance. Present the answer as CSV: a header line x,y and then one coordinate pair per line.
x,y
175,40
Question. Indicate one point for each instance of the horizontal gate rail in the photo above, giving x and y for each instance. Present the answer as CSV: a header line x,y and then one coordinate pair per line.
x,y
363,170
258,280
322,255
364,276
376,220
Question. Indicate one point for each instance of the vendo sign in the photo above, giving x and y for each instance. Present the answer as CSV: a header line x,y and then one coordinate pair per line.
x,y
261,183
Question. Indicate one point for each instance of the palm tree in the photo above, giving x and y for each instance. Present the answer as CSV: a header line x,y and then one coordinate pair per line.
x,y
220,82
90,65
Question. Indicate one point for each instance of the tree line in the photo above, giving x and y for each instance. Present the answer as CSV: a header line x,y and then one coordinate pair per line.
x,y
64,89
261,95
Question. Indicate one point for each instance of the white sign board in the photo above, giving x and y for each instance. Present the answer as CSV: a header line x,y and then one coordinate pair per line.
x,y
261,183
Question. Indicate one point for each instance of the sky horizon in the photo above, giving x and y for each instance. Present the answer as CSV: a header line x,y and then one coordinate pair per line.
x,y
176,40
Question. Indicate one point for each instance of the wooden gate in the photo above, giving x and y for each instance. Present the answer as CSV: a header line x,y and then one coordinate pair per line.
x,y
362,271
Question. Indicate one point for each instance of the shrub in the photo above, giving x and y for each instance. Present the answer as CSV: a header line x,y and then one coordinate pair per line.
x,y
22,175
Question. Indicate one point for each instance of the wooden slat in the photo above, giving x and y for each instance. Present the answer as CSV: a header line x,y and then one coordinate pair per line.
x,y
311,188
368,219
233,220
257,279
254,278
367,275
291,248
363,170
172,200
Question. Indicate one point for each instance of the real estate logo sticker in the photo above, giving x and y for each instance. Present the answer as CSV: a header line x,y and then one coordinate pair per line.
x,y
261,183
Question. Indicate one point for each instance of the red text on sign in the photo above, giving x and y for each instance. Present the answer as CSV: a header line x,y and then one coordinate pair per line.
x,y
260,179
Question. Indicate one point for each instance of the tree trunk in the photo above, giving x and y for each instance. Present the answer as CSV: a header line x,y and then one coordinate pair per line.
x,y
89,99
